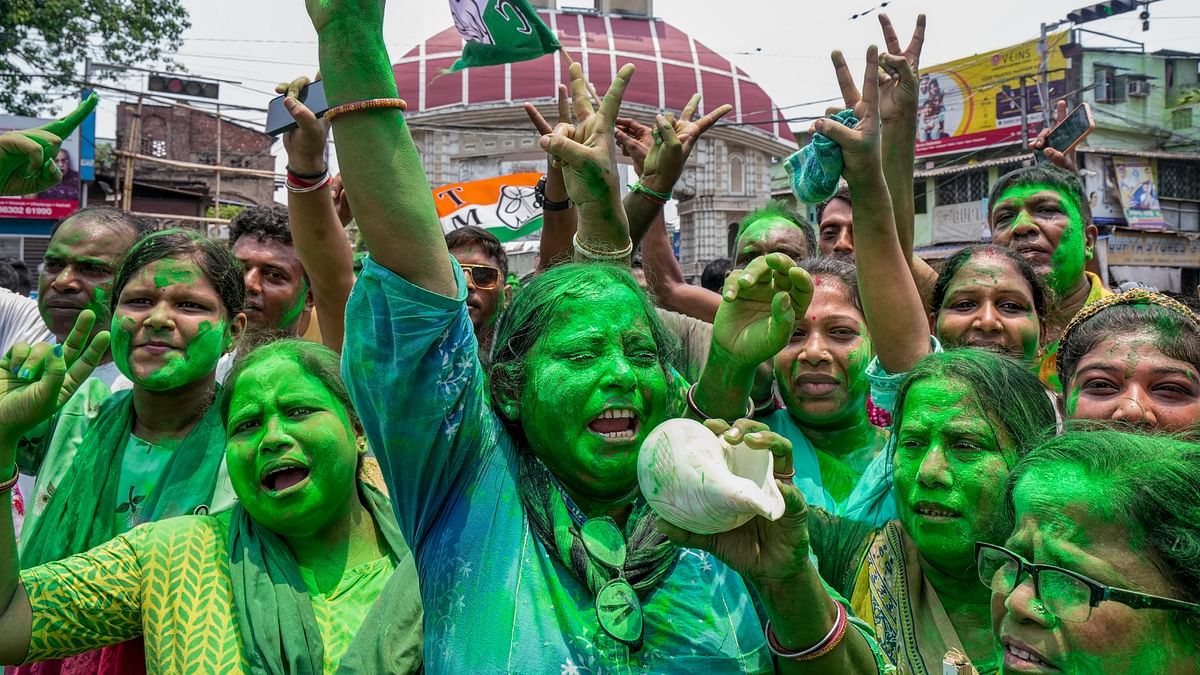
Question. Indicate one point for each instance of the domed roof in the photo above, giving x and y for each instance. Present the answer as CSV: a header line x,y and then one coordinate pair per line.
x,y
671,66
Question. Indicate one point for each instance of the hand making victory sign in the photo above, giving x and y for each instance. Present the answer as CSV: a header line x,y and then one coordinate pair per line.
x,y
659,153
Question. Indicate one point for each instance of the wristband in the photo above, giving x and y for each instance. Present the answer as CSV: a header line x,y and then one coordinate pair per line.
x,y
307,176
659,198
540,201
300,189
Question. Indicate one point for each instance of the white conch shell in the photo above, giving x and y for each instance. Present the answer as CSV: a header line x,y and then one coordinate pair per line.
x,y
698,482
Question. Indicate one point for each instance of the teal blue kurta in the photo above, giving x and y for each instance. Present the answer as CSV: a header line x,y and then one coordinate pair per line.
x,y
494,600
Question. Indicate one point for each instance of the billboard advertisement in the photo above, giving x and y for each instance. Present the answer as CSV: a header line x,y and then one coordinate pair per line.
x,y
505,206
1139,198
59,201
975,102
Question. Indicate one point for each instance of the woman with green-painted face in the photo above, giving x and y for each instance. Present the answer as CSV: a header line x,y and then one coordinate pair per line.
x,y
963,419
1102,572
307,574
1134,358
518,491
157,450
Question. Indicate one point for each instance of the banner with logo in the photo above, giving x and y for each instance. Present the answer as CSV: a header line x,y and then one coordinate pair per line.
x,y
975,102
504,205
59,201
1139,196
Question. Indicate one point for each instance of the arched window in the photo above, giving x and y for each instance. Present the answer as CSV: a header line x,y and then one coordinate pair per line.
x,y
737,175
154,136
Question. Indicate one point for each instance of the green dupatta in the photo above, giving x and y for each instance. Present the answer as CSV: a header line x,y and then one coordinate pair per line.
x,y
275,616
82,512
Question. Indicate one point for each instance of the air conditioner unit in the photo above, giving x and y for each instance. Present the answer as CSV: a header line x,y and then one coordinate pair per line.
x,y
1138,87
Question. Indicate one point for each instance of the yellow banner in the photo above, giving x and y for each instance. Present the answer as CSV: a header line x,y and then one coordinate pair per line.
x,y
976,102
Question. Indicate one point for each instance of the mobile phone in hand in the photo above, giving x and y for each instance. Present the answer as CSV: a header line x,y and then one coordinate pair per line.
x,y
279,120
1071,131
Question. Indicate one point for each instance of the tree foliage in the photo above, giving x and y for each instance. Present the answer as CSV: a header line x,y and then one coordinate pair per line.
x,y
44,43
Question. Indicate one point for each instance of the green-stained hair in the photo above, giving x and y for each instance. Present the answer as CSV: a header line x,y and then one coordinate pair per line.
x,y
315,359
1014,402
524,321
780,209
1148,484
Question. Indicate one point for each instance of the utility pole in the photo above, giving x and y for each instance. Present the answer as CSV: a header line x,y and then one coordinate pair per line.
x,y
1043,83
134,144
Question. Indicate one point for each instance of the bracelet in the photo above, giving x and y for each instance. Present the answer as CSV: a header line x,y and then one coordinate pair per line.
x,y
827,644
300,181
301,189
769,405
540,201
595,254
659,198
306,176
8,484
691,402
369,104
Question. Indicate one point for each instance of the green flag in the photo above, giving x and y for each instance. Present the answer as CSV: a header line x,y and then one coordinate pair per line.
x,y
500,31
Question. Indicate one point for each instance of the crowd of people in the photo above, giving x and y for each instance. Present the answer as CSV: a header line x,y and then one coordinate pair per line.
x,y
271,455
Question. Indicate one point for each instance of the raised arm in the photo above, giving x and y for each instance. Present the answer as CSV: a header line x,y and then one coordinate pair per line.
x,y
392,200
316,228
754,322
891,304
27,155
32,380
663,273
559,215
898,119
668,146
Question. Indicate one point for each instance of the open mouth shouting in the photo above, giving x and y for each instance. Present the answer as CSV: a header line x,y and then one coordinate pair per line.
x,y
616,424
283,477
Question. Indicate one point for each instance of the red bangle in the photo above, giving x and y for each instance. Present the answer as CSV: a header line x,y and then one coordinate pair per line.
x,y
829,643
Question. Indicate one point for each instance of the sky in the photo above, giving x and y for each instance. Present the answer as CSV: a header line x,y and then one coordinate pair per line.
x,y
783,44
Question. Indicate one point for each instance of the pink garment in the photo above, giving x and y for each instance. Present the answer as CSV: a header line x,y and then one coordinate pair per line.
x,y
127,658
878,416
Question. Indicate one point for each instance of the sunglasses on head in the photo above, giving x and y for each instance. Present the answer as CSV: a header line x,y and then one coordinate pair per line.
x,y
485,277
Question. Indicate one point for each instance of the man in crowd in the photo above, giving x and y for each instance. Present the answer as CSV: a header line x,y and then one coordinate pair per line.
x,y
77,273
835,225
278,296
485,265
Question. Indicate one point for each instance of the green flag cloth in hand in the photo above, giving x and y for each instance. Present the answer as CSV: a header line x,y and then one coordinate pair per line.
x,y
500,31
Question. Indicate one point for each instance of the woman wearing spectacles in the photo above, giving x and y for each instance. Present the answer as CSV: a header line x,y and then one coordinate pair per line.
x,y
1102,571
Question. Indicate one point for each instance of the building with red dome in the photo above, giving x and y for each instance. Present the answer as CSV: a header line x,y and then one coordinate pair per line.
x,y
469,125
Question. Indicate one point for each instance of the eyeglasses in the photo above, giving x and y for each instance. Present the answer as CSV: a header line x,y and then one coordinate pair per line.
x,y
1068,595
485,277
618,607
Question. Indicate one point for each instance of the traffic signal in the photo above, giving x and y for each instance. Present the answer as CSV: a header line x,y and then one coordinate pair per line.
x,y
169,84
1102,10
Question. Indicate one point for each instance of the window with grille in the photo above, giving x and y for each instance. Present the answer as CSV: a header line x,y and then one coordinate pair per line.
x,y
970,186
1178,179
1181,118
920,203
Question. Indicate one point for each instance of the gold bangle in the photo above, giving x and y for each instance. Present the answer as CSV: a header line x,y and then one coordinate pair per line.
x,y
8,484
369,104
596,254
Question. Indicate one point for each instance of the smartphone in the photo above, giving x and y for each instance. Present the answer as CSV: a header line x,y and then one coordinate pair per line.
x,y
280,120
1072,130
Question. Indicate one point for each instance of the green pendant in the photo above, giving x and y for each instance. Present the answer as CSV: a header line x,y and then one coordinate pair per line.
x,y
604,542
620,612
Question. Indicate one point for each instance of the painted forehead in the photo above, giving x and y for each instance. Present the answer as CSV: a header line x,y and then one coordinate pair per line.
x,y
991,269
1019,193
601,311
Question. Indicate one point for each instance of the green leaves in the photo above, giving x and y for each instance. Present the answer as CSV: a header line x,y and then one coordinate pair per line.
x,y
46,41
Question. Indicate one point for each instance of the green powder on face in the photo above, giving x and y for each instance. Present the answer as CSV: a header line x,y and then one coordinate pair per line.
x,y
198,359
293,314
1067,261
171,272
